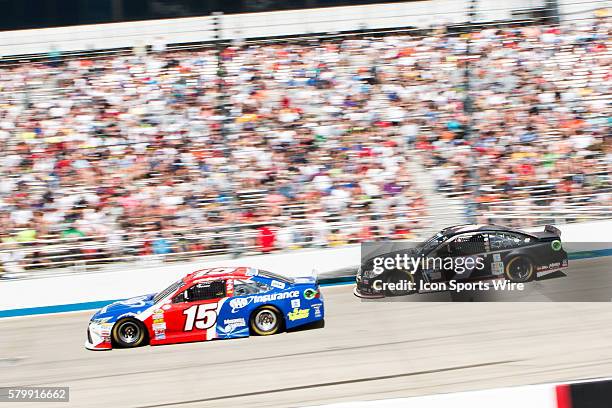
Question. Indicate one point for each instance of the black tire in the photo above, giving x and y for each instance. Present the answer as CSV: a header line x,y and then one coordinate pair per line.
x,y
128,333
519,269
266,320
319,324
397,277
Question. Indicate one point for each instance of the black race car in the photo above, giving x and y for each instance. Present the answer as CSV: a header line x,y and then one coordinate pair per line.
x,y
461,253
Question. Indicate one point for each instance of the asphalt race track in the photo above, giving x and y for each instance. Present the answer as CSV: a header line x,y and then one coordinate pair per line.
x,y
368,350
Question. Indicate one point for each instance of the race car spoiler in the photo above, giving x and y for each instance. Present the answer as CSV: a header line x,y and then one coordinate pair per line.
x,y
552,229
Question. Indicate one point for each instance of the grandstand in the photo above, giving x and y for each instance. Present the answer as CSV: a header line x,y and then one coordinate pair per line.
x,y
301,142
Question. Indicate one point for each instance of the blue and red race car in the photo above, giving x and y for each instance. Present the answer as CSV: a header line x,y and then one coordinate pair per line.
x,y
209,304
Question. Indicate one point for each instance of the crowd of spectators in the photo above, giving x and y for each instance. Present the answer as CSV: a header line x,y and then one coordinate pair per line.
x,y
132,155
538,142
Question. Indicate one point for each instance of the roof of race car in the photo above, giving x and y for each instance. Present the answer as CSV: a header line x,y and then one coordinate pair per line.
x,y
220,272
458,229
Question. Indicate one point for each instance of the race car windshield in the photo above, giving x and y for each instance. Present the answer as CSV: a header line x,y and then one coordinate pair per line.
x,y
431,243
170,289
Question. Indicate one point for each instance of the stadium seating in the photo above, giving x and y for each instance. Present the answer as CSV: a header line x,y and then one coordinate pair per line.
x,y
116,157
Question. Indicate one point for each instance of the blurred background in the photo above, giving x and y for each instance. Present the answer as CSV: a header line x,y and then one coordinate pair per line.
x,y
222,131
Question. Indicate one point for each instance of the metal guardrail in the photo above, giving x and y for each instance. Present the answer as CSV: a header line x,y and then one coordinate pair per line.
x,y
93,252
554,209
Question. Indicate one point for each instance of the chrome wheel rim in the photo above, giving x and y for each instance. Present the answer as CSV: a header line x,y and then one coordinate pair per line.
x,y
520,269
129,332
397,280
265,320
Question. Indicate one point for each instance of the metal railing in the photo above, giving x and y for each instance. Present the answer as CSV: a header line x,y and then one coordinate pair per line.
x,y
551,209
86,253
83,253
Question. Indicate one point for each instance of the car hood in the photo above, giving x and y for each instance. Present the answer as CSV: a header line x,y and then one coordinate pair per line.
x,y
413,252
129,307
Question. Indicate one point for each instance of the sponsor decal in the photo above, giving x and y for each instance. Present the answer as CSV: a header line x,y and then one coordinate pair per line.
x,y
295,303
317,309
556,245
497,268
277,284
158,320
230,287
239,303
166,307
239,321
232,328
298,314
158,314
159,326
496,257
275,296
160,336
554,265
310,294
232,324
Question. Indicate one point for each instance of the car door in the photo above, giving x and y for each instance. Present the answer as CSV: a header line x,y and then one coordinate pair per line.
x,y
193,313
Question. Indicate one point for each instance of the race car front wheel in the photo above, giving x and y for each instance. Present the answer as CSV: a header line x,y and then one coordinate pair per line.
x,y
400,284
266,321
128,333
519,269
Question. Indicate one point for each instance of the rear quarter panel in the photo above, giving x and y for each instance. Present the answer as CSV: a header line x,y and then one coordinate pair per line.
x,y
542,255
291,301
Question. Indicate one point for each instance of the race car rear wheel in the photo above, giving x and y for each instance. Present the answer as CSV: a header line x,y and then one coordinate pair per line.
x,y
266,320
129,333
519,269
319,324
